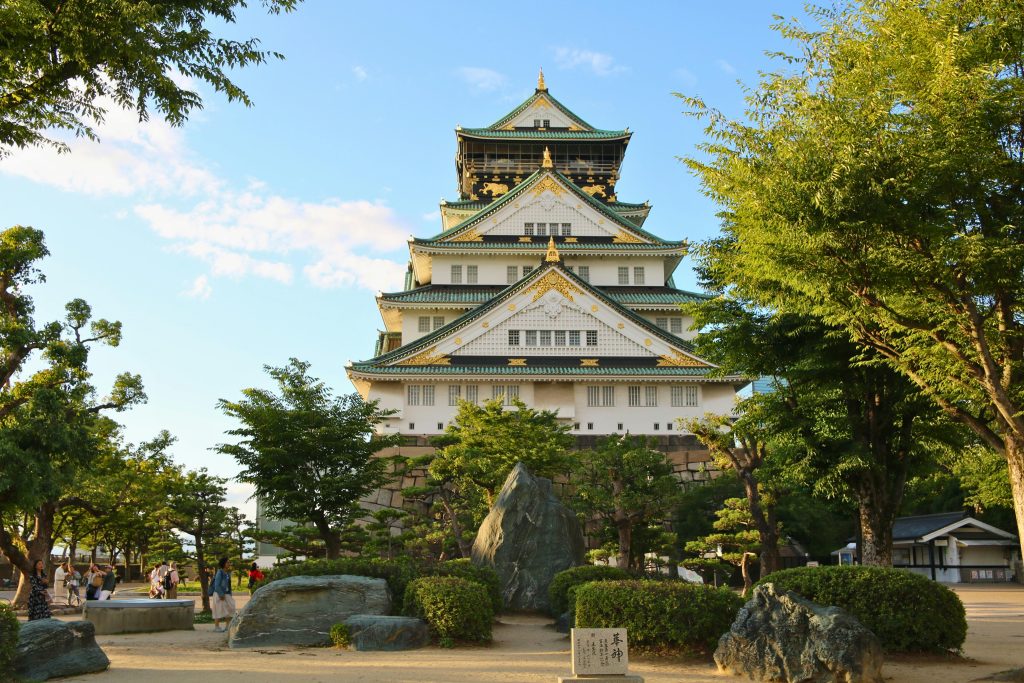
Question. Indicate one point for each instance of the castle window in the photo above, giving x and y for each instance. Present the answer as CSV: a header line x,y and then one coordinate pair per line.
x,y
527,228
638,275
676,325
591,337
574,337
512,274
685,396
424,323
656,426
456,275
412,426
547,123
542,229
471,275
585,273
536,123
601,396
662,323
634,397
545,337
559,337
527,270
472,393
428,394
566,229
620,427
513,337
412,395
505,393
438,322
454,394
668,426
623,275
651,396
440,426
590,426
531,337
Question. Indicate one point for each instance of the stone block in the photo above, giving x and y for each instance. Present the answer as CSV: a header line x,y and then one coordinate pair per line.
x,y
377,632
49,648
140,616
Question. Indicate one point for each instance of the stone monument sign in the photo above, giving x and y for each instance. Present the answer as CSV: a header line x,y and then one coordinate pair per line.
x,y
600,653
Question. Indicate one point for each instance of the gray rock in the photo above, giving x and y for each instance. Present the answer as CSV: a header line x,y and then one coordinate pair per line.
x,y
528,537
779,636
300,610
48,648
563,624
375,632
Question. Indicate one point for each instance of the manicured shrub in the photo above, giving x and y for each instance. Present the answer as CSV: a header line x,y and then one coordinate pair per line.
x,y
908,612
659,614
340,635
397,573
559,589
465,569
454,608
8,637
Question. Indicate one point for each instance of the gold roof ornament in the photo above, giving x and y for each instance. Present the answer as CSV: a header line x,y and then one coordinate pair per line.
x,y
553,255
540,81
547,163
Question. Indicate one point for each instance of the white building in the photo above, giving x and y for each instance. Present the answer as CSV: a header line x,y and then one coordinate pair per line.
x,y
542,286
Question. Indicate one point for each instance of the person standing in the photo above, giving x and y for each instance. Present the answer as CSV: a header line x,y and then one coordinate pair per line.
x,y
38,597
223,606
164,574
93,581
59,578
109,584
255,576
173,579
74,579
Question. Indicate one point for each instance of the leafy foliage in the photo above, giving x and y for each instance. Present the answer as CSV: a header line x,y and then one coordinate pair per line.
x,y
876,185
8,637
626,483
340,635
309,455
62,65
464,568
397,573
908,612
659,614
558,591
454,608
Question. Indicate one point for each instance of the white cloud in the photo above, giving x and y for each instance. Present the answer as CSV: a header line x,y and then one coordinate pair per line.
x,y
686,77
484,80
431,216
200,289
600,63
360,73
725,66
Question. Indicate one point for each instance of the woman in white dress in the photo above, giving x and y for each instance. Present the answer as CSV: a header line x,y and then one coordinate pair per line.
x,y
222,604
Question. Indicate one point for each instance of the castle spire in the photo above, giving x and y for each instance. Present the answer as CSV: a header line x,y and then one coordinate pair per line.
x,y
553,255
540,81
547,163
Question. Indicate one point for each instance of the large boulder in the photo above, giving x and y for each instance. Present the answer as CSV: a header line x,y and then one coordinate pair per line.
x,y
779,636
300,610
374,632
48,648
528,537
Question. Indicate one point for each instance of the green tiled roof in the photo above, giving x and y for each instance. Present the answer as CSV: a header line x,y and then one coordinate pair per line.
x,y
521,187
475,295
562,246
531,134
530,100
369,368
425,341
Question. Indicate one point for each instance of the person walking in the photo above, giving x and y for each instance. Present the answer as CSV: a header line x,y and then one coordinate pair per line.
x,y
39,596
74,581
255,576
223,606
173,579
59,578
93,581
109,584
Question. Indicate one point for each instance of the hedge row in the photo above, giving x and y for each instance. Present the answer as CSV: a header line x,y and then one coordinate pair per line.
x,y
558,591
658,614
465,569
908,612
455,609
8,637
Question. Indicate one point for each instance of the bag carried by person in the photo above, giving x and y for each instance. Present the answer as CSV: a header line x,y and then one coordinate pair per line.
x,y
97,581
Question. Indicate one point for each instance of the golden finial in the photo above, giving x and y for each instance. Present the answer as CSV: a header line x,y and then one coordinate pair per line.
x,y
540,81
553,256
547,163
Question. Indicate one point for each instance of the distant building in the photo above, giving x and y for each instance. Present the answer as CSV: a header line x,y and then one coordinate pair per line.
x,y
951,547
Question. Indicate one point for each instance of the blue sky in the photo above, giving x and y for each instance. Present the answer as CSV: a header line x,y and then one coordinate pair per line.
x,y
252,235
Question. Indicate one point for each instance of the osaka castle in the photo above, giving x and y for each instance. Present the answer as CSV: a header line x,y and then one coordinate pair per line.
x,y
542,286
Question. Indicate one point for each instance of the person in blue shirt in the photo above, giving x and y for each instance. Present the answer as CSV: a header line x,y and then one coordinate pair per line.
x,y
222,604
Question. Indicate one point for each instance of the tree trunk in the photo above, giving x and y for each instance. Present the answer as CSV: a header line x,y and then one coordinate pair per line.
x,y
1015,462
37,548
465,547
748,581
625,529
204,580
876,532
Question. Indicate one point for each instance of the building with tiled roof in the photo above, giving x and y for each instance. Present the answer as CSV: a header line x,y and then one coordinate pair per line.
x,y
541,285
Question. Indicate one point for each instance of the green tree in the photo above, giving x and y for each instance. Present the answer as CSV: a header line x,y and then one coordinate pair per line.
x,y
196,507
60,61
310,456
879,185
51,429
737,541
627,484
476,454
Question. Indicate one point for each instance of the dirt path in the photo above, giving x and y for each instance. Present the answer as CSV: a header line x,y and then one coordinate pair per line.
x,y
524,649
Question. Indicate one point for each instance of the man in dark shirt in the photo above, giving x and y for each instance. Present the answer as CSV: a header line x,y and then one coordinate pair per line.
x,y
109,582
